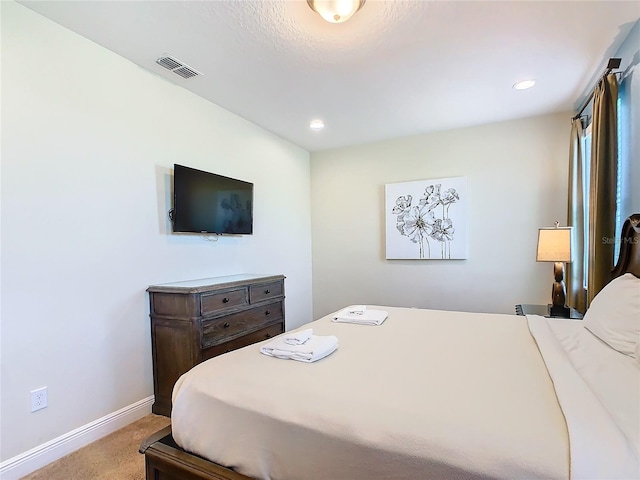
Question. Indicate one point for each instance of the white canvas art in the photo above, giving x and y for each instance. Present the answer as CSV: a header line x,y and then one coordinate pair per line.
x,y
426,219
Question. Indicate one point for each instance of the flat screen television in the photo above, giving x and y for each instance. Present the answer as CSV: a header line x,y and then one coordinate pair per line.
x,y
204,202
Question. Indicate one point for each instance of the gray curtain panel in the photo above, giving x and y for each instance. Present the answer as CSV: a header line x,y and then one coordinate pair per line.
x,y
602,185
576,294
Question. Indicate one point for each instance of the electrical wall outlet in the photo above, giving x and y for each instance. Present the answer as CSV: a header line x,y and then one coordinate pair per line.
x,y
38,399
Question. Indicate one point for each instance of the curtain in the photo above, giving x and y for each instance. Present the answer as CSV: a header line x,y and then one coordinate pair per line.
x,y
576,295
602,185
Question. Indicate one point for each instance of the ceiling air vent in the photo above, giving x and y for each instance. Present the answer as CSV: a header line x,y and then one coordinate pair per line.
x,y
177,67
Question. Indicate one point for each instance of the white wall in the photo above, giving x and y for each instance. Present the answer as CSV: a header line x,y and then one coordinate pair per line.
x,y
88,143
517,182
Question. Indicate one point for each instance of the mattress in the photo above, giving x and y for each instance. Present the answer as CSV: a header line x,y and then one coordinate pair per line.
x,y
427,394
427,391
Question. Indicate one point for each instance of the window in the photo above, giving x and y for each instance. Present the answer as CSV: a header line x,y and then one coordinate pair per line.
x,y
623,186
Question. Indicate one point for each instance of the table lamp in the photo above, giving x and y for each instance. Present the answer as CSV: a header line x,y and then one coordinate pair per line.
x,y
554,245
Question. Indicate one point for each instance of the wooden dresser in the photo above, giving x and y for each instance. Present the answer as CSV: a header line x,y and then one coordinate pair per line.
x,y
196,320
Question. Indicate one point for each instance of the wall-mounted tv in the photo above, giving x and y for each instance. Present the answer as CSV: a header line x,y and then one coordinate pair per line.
x,y
204,202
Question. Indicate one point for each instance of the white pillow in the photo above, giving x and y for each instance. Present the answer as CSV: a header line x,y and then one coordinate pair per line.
x,y
614,314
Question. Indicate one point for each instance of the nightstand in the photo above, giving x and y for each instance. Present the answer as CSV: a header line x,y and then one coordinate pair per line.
x,y
543,310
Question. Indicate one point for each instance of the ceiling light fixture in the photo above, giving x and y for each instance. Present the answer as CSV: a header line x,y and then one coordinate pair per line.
x,y
336,11
316,125
524,84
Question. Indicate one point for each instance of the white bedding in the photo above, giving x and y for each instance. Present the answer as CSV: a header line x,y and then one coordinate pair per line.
x,y
428,394
598,390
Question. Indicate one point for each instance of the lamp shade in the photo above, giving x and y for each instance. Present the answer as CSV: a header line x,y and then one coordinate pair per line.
x,y
336,11
554,245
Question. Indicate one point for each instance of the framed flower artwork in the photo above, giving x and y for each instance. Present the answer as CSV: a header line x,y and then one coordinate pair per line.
x,y
426,219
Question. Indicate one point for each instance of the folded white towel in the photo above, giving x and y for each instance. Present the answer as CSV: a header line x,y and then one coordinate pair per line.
x,y
298,338
367,317
356,309
314,349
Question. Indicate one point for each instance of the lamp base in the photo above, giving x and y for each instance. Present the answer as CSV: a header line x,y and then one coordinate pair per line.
x,y
558,293
559,311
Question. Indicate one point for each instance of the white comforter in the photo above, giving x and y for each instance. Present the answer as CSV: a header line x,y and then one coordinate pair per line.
x,y
598,390
428,394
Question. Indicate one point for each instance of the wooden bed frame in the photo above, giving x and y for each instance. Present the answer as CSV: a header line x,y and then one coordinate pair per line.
x,y
165,460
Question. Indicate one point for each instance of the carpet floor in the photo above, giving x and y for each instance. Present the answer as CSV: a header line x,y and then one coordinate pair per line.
x,y
114,457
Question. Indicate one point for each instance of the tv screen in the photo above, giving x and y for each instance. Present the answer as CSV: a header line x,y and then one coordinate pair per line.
x,y
204,202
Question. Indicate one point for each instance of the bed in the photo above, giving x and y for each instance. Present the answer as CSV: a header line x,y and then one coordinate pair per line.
x,y
427,394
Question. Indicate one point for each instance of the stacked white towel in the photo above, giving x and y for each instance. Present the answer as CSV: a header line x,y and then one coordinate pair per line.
x,y
298,338
313,349
361,315
356,309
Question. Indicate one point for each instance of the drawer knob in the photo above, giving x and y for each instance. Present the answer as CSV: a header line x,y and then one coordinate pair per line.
x,y
226,325
267,291
268,335
225,300
267,312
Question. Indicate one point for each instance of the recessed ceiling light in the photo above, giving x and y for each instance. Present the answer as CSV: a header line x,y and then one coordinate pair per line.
x,y
524,84
316,125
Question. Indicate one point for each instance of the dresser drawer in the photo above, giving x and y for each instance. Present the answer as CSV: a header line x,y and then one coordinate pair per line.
x,y
226,328
258,293
258,336
217,302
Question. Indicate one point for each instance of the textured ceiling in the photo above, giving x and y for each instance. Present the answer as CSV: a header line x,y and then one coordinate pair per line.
x,y
395,68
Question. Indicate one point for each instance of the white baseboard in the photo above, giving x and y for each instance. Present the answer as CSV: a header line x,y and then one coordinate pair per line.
x,y
30,461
